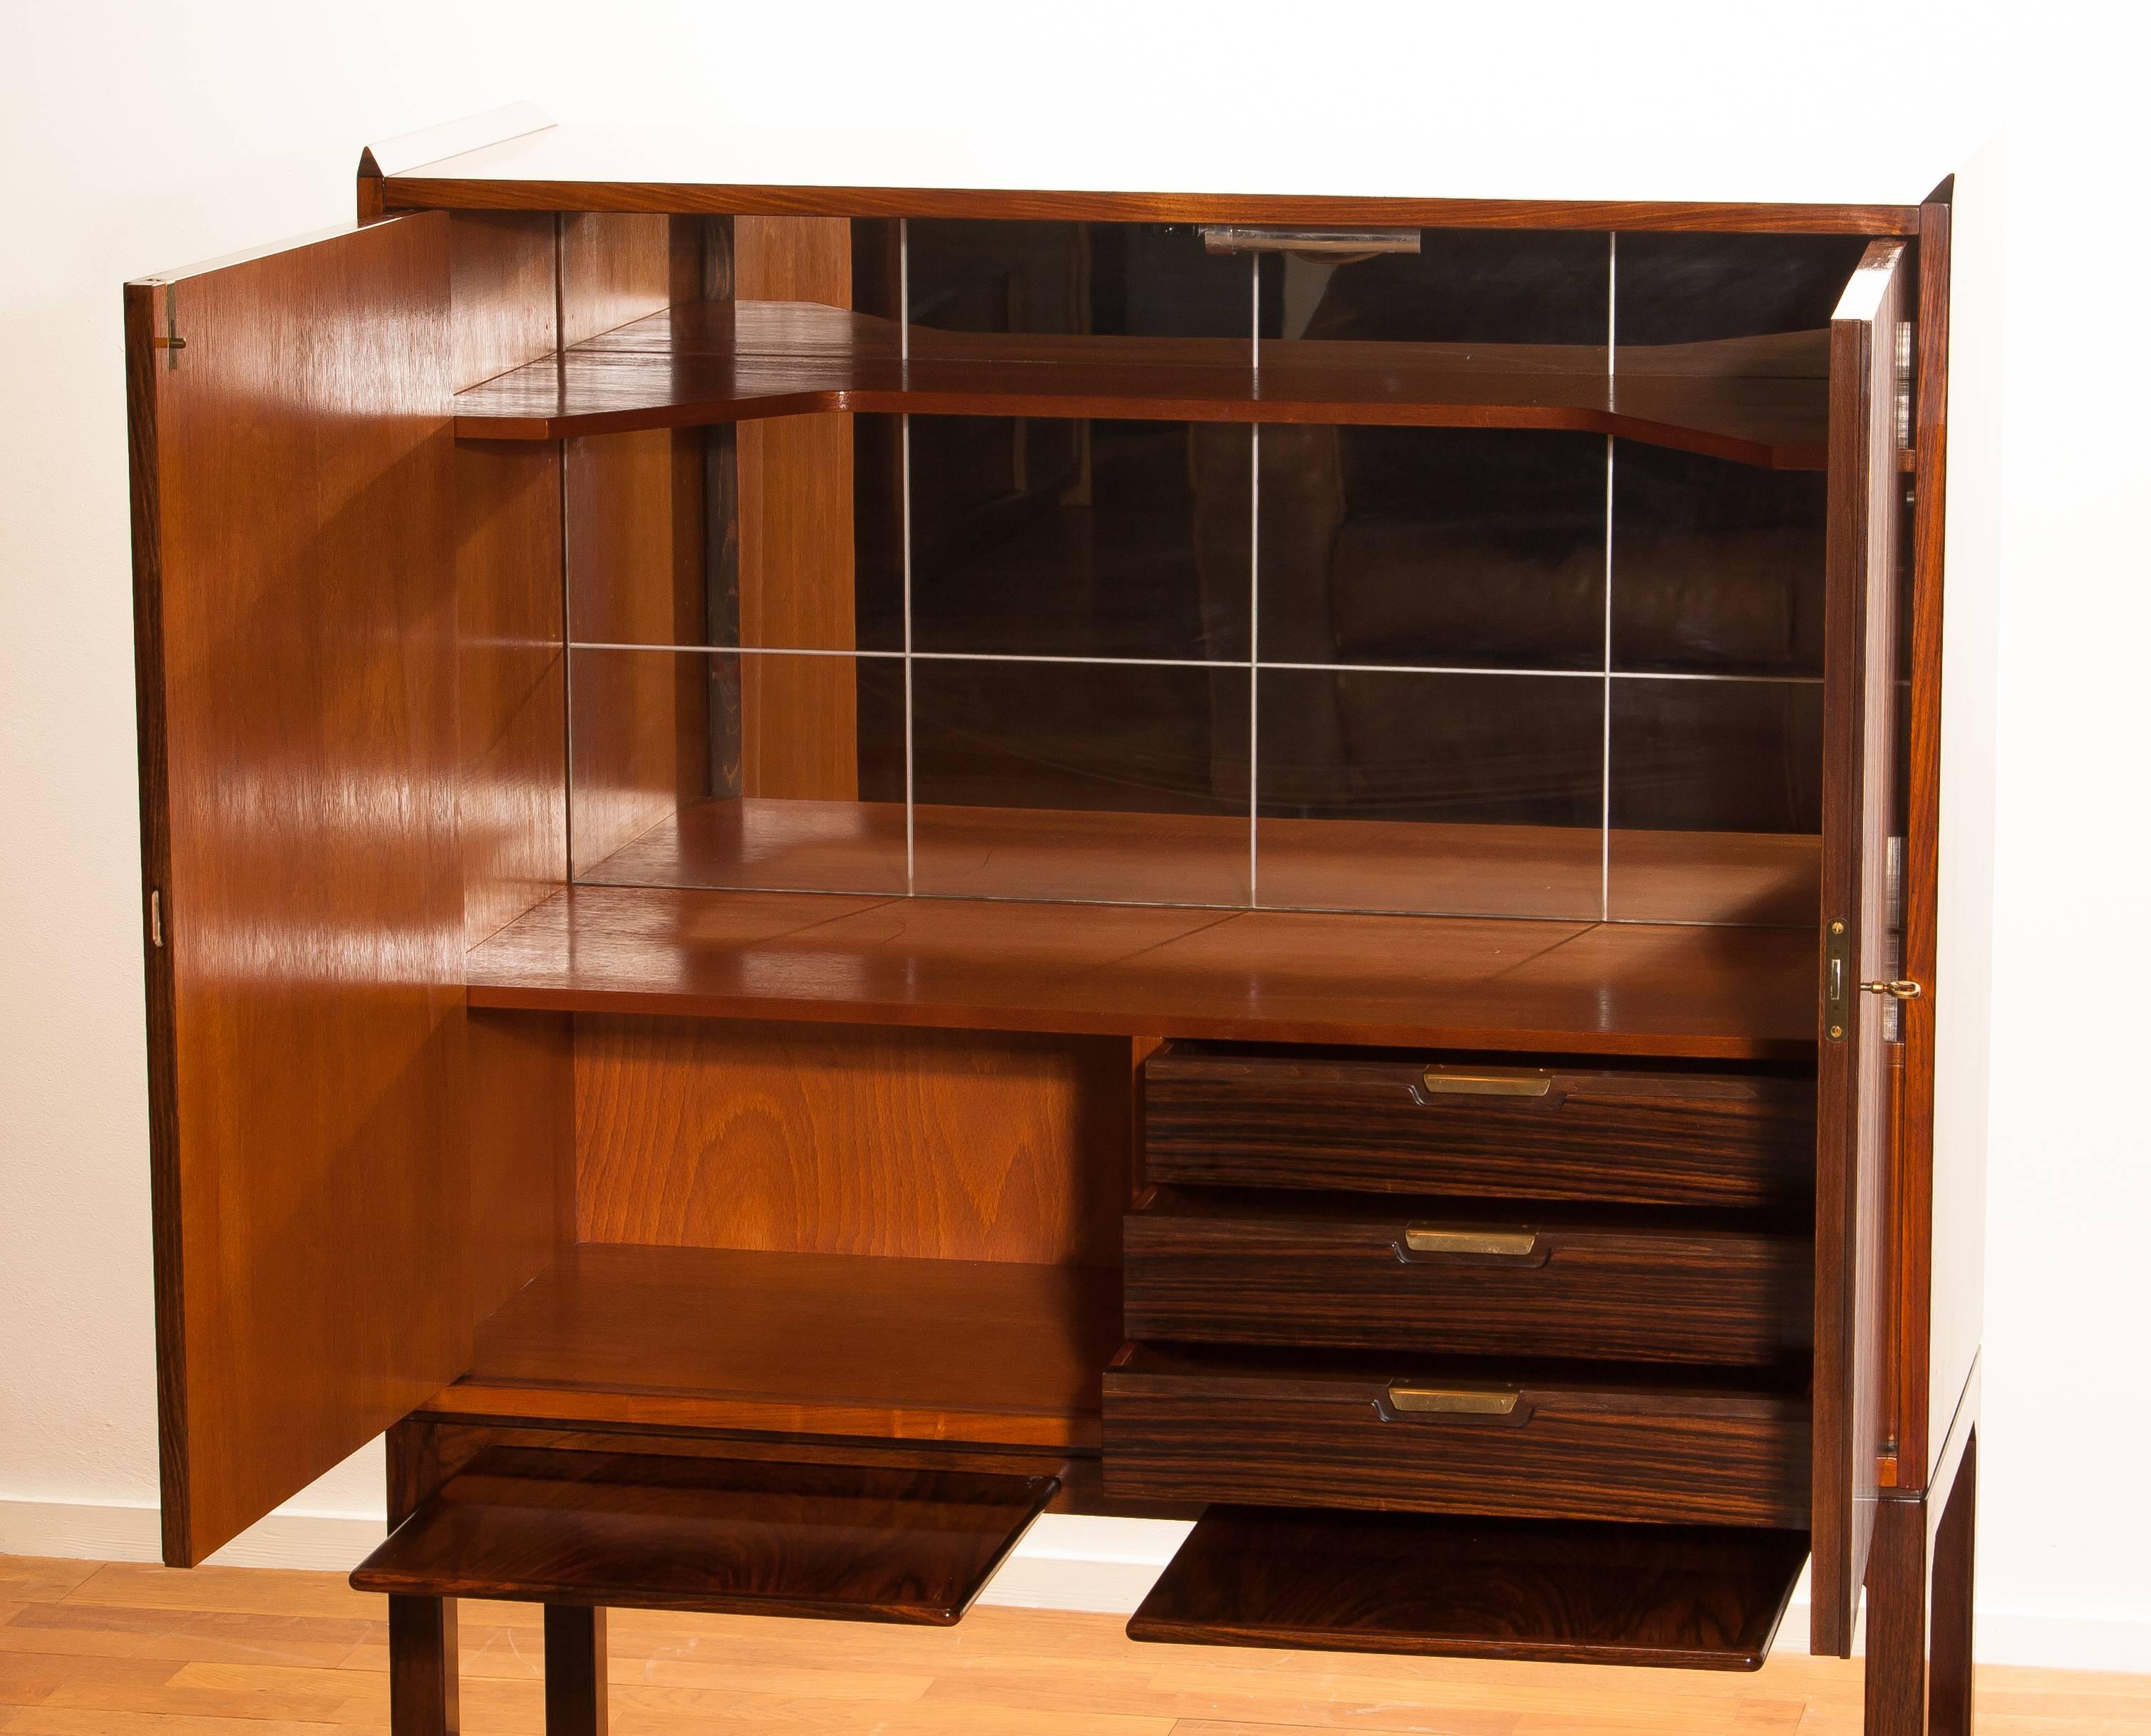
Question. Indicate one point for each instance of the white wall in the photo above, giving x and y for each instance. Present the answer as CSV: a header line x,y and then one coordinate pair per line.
x,y
140,136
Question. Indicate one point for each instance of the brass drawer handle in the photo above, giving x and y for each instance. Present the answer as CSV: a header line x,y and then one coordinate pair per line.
x,y
1486,1084
1436,1238
1454,1400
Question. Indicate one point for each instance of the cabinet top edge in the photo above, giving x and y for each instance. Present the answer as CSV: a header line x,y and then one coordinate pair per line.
x,y
432,191
1430,181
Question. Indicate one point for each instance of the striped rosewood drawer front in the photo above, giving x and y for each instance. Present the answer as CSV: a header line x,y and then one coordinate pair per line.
x,y
1248,1427
1639,1134
1228,1266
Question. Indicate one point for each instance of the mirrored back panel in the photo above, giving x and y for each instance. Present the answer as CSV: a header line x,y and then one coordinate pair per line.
x,y
1308,663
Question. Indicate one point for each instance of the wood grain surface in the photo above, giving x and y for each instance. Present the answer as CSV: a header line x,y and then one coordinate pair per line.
x,y
798,716
1737,878
578,193
818,1140
424,1696
1689,1597
1753,401
577,1685
296,594
424,1451
1939,1253
511,806
634,513
1853,1131
90,1649
991,1352
1233,1266
1375,1123
734,1536
1463,984
1278,1430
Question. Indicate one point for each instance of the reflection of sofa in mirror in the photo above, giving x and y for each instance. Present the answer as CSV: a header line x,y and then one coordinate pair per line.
x,y
1455,549
1446,590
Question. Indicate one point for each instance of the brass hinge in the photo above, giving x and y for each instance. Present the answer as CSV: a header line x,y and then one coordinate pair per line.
x,y
170,342
1906,340
1836,981
156,917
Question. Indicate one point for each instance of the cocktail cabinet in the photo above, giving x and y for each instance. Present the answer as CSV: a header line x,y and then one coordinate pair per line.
x,y
829,865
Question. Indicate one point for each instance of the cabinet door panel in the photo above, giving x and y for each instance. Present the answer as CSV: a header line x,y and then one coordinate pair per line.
x,y
296,612
1859,1031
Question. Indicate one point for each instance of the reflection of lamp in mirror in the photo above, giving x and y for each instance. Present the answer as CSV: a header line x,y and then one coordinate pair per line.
x,y
1333,246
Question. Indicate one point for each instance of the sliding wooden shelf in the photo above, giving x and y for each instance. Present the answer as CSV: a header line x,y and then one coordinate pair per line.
x,y
737,1537
991,1352
1757,401
1690,1597
1463,982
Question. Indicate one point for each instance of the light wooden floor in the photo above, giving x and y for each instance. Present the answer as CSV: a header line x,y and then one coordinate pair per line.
x,y
105,1650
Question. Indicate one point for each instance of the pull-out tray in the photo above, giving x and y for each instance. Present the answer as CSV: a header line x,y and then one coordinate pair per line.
x,y
1688,1596
864,1543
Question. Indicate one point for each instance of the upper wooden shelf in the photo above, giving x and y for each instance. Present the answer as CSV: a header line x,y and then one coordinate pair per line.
x,y
1461,983
1757,400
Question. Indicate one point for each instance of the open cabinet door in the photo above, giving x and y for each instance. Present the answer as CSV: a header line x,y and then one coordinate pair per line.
x,y
1857,1029
296,618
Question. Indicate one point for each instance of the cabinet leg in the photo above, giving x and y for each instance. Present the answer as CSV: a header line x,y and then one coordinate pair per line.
x,y
1949,1651
1897,1620
574,1670
1918,1610
422,1667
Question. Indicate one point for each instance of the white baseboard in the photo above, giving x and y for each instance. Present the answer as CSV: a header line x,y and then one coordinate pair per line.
x,y
82,1531
1102,1566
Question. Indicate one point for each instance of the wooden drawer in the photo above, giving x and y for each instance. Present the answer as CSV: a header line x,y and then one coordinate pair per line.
x,y
1644,1134
1217,1266
1574,1443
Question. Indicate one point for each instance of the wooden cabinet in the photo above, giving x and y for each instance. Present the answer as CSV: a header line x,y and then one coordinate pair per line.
x,y
824,864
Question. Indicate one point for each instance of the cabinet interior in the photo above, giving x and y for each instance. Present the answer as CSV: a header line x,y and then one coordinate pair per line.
x,y
807,621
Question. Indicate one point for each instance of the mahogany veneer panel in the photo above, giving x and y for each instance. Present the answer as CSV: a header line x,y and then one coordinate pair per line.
x,y
1583,1441
1691,1596
985,1351
296,609
511,701
1757,400
737,1537
1232,1267
1454,983
827,1139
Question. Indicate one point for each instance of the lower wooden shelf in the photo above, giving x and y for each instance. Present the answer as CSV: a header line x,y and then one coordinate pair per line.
x,y
987,1352
737,1536
1697,1597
